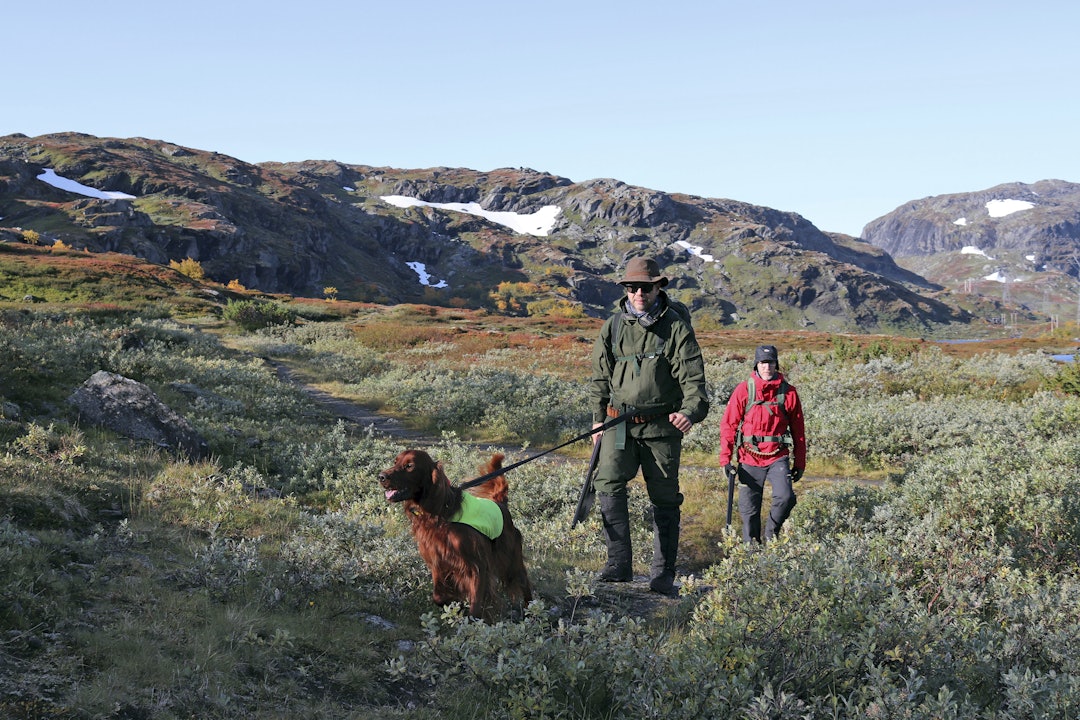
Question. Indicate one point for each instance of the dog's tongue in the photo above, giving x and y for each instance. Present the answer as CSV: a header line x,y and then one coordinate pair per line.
x,y
390,494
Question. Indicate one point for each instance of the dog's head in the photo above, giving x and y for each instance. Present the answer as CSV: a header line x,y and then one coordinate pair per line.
x,y
413,474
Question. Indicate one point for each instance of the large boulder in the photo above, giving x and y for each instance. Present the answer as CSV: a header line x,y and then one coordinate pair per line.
x,y
131,409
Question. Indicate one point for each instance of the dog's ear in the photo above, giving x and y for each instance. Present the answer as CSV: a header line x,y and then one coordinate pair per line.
x,y
439,476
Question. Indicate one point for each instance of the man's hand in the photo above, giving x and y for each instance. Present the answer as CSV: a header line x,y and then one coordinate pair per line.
x,y
731,471
596,436
680,421
795,475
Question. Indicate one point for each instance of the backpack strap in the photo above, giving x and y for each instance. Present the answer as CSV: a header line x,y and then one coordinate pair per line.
x,y
616,324
680,310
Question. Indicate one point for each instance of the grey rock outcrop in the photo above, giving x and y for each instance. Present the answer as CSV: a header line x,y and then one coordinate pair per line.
x,y
1043,221
131,409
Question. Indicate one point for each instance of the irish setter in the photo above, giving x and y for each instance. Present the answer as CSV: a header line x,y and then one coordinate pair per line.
x,y
466,565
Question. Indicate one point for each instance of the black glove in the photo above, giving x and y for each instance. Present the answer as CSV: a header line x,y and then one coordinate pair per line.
x,y
730,471
795,475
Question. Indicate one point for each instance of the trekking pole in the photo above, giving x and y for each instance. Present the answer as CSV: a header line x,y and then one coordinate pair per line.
x,y
730,494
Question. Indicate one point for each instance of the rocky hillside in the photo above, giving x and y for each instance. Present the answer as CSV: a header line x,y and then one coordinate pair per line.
x,y
1041,220
1017,241
515,239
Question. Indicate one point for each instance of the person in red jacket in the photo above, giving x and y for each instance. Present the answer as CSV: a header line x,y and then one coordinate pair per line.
x,y
764,417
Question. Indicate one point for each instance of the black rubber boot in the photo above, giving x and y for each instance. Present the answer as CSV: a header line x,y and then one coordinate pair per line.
x,y
616,517
665,548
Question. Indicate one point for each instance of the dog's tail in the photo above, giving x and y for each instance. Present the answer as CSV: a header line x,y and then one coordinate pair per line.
x,y
496,488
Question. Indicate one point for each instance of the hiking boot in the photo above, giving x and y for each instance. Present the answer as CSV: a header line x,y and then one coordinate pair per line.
x,y
616,522
615,573
665,549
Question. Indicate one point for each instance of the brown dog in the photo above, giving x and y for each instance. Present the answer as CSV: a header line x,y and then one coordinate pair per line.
x,y
465,563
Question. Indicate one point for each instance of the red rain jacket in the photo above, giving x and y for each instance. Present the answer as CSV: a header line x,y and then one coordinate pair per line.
x,y
763,420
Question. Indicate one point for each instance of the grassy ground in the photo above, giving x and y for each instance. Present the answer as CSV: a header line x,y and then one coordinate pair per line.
x,y
272,581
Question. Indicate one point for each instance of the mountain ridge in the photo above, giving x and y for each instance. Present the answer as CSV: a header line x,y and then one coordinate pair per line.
x,y
1030,218
300,227
1016,241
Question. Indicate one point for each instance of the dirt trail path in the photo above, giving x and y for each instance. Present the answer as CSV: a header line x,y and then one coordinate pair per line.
x,y
347,409
353,412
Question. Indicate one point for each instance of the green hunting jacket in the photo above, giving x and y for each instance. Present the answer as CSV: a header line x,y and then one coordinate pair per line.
x,y
657,370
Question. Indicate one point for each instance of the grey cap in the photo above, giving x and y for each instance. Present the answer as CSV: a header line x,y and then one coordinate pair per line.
x,y
766,353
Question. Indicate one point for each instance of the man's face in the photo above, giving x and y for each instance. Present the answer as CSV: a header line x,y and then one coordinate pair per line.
x,y
641,295
766,369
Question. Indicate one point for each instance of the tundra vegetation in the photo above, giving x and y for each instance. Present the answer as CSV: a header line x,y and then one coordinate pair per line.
x,y
929,570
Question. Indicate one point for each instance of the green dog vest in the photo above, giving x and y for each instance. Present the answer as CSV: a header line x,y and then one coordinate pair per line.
x,y
480,513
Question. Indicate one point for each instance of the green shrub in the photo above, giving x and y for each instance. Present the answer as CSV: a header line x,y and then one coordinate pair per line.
x,y
277,576
1067,378
49,444
255,314
535,668
507,403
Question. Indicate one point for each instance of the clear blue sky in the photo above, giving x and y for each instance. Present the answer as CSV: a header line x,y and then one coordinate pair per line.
x,y
839,111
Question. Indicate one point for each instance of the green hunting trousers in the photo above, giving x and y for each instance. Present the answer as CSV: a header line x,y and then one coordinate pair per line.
x,y
657,458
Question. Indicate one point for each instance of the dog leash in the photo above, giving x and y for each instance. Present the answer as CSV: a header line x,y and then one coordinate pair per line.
x,y
495,473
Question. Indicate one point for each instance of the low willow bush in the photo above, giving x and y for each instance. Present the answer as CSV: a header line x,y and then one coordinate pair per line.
x,y
953,593
844,409
1023,490
22,554
222,567
342,549
841,428
929,373
535,668
330,347
255,314
273,579
501,403
336,462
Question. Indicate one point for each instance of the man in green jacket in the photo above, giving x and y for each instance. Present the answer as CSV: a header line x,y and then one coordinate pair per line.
x,y
646,361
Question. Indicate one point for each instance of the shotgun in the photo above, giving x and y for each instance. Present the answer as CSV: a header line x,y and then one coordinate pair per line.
x,y
588,492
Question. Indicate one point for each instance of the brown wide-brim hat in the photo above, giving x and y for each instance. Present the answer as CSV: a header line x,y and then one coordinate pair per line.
x,y
643,270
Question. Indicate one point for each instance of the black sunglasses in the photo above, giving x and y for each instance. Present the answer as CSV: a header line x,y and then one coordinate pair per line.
x,y
634,287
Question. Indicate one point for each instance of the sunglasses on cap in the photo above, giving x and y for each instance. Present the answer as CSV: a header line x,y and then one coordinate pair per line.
x,y
633,287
